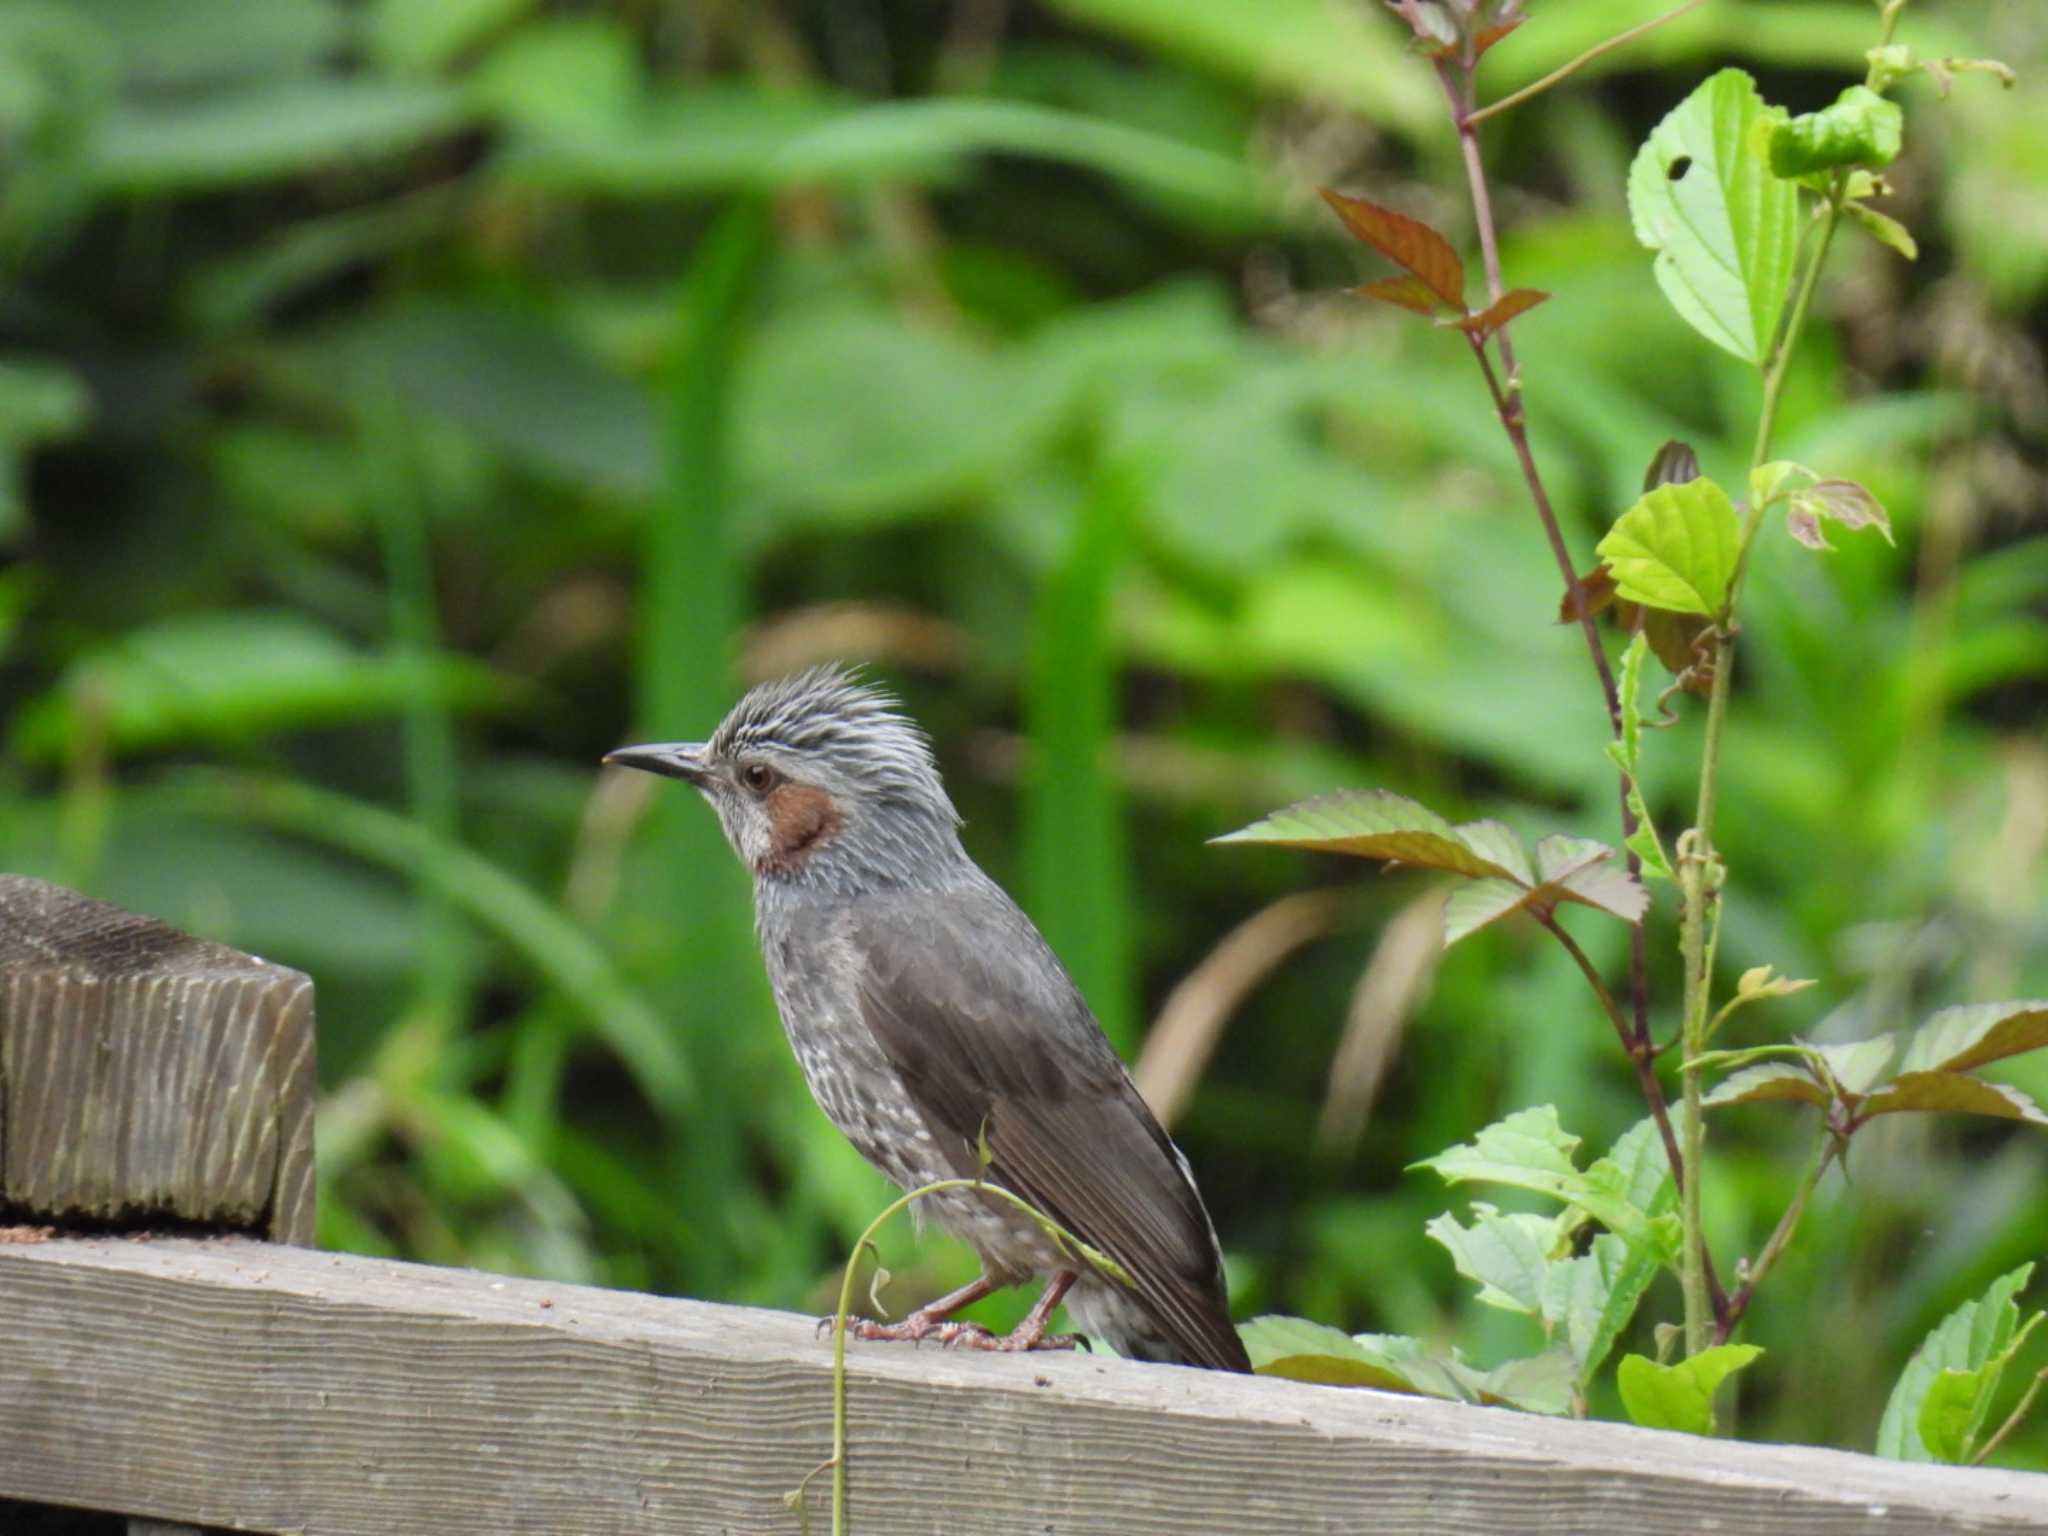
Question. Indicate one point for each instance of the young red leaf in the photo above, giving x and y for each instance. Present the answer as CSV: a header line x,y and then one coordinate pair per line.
x,y
1951,1091
1595,592
1406,242
1516,301
1404,292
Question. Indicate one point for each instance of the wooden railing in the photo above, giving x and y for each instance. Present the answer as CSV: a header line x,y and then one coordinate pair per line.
x,y
150,1083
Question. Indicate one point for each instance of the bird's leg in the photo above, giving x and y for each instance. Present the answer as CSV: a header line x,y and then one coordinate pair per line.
x,y
1029,1334
933,1319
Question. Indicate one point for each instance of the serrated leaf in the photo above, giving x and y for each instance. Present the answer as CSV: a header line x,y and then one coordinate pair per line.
x,y
1373,824
1675,548
1770,1082
1976,1336
1408,243
1516,301
1679,1396
1859,128
1959,1039
1496,842
1950,1092
1841,501
1885,229
1475,904
1582,870
1725,230
1536,1384
1409,293
1953,1411
1859,1065
1506,1256
1530,1150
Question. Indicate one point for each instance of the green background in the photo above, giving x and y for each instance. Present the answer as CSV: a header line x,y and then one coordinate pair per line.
x,y
403,403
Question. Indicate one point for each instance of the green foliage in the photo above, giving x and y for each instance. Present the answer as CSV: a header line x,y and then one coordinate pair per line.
x,y
1943,1397
405,402
1680,1396
1676,548
1724,228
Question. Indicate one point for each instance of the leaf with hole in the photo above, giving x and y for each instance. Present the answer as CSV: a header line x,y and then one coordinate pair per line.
x,y
1725,230
1679,1396
1675,548
1408,243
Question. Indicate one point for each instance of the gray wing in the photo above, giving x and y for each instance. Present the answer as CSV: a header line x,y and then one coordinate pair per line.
x,y
991,1039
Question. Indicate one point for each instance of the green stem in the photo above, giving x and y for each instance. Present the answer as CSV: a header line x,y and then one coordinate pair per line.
x,y
1699,869
1564,72
1061,1237
1781,1236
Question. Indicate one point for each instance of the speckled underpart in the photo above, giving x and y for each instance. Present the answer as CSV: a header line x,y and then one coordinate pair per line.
x,y
935,1027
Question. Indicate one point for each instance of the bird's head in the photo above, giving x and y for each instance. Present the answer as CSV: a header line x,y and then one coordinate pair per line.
x,y
818,779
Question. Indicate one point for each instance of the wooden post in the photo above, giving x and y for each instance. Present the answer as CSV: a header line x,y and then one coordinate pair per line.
x,y
149,1080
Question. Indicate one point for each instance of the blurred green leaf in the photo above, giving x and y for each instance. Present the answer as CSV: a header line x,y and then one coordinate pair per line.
x,y
1978,1338
1680,1396
40,402
1300,1350
1351,58
1769,1082
185,44
1725,229
230,677
425,35
850,416
561,951
268,132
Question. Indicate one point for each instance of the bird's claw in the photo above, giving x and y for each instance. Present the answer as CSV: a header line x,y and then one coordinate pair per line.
x,y
919,1326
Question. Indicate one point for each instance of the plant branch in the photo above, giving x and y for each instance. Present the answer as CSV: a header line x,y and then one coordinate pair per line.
x,y
1781,1236
1644,1061
1565,71
2012,1420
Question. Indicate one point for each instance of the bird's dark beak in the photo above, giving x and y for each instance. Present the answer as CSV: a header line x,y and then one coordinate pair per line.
x,y
671,759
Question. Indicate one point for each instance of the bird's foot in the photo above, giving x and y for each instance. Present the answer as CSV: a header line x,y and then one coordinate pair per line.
x,y
919,1326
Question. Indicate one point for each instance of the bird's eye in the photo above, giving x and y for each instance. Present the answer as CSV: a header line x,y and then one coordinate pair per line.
x,y
758,777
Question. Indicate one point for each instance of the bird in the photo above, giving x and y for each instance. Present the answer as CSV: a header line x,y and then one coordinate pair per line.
x,y
940,1033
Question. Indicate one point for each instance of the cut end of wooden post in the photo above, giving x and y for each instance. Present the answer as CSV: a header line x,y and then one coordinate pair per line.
x,y
147,1077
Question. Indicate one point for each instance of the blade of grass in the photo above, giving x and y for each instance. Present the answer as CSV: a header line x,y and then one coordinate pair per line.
x,y
1077,873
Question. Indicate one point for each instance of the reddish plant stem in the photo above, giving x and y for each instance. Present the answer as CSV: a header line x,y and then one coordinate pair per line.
x,y
1454,75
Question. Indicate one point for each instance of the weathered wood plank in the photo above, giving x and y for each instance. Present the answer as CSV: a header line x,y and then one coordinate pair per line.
x,y
277,1389
148,1076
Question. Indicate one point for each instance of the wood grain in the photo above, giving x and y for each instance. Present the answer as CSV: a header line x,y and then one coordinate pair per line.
x,y
147,1076
230,1382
